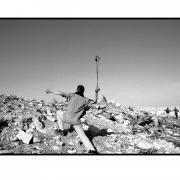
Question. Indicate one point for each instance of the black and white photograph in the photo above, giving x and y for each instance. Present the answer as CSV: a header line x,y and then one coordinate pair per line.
x,y
89,86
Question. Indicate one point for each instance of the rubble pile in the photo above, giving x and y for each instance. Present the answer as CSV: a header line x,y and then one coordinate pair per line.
x,y
27,127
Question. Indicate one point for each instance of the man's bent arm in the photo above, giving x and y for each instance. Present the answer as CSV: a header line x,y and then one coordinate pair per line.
x,y
96,95
93,103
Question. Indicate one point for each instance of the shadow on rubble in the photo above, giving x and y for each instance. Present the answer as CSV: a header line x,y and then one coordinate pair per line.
x,y
3,124
94,132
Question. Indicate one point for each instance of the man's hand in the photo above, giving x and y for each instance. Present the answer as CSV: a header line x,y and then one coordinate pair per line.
x,y
48,91
97,90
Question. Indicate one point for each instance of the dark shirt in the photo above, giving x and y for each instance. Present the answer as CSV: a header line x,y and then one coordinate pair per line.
x,y
176,110
167,110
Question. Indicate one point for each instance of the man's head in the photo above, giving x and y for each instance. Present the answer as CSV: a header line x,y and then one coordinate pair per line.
x,y
80,90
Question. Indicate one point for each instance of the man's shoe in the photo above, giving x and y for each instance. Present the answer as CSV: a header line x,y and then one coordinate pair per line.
x,y
93,152
60,132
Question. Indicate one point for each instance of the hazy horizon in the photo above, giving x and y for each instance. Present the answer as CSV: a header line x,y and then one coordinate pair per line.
x,y
139,58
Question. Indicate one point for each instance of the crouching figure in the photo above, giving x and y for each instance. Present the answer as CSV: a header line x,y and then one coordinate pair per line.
x,y
76,109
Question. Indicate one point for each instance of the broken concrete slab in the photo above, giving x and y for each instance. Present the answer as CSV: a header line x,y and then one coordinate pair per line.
x,y
25,137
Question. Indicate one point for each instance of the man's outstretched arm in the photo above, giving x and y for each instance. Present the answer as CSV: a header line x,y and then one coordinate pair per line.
x,y
60,93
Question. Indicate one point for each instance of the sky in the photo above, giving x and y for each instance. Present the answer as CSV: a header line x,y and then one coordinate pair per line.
x,y
139,58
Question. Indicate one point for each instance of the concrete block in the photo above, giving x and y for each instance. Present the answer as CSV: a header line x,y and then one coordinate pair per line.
x,y
25,137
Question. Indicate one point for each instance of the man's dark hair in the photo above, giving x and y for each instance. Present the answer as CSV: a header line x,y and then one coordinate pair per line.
x,y
80,90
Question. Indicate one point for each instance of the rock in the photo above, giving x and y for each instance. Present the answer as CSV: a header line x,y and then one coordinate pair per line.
x,y
36,140
108,145
156,145
72,151
60,143
145,145
29,131
103,100
25,128
98,112
25,137
163,144
48,111
85,127
110,130
119,118
117,104
50,118
32,126
31,104
156,122
19,122
102,106
4,152
44,131
56,148
125,124
15,139
16,143
37,123
71,143
83,120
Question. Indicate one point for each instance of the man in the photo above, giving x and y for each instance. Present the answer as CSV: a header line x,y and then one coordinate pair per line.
x,y
176,112
77,106
167,110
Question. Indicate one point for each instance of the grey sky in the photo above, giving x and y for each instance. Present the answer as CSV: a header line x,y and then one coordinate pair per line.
x,y
139,58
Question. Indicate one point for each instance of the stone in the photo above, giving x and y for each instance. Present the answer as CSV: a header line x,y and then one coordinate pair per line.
x,y
85,127
145,145
118,105
72,151
102,106
25,137
36,140
4,152
32,126
60,143
15,139
156,145
103,100
44,131
48,111
109,130
56,148
71,143
156,122
119,118
98,112
83,120
108,145
50,118
37,123
29,131
19,122
16,143
125,124
25,128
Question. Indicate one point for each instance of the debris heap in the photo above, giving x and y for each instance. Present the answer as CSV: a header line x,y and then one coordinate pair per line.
x,y
27,127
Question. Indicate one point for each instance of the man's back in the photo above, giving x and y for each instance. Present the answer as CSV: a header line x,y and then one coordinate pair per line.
x,y
76,108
